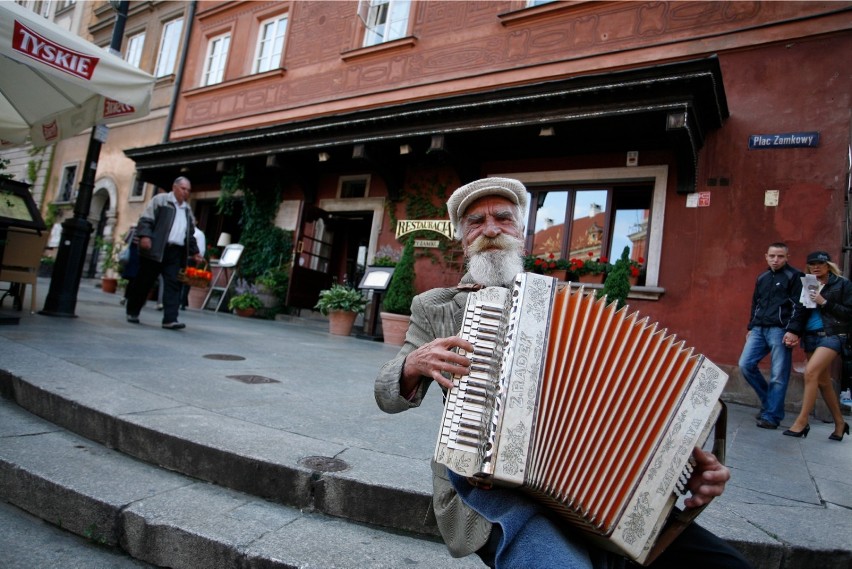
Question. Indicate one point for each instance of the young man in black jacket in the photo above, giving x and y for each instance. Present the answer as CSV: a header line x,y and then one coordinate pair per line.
x,y
776,321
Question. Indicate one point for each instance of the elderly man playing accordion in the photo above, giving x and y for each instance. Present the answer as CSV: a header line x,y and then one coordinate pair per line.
x,y
504,527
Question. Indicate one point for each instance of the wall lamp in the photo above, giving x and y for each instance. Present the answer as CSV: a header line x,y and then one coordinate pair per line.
x,y
547,131
676,120
405,149
323,156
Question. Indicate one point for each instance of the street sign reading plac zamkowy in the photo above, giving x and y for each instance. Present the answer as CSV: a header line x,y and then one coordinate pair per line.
x,y
783,140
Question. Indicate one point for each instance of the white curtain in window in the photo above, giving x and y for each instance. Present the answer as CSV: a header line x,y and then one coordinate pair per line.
x,y
217,55
385,20
270,44
169,44
133,53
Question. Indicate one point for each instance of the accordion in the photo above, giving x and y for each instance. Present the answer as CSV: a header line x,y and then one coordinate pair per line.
x,y
592,412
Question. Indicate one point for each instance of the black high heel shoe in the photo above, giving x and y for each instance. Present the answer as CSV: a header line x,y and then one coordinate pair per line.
x,y
798,434
839,437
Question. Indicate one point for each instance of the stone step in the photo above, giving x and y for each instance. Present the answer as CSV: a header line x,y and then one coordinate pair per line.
x,y
171,520
296,470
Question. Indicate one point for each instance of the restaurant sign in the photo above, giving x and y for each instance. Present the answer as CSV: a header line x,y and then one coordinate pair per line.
x,y
784,140
442,226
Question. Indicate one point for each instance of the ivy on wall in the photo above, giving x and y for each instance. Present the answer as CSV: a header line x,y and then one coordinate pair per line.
x,y
267,246
426,198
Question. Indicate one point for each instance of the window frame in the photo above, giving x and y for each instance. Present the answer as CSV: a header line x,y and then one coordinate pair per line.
x,y
618,198
172,54
272,62
138,53
342,180
221,59
63,182
389,27
134,184
654,175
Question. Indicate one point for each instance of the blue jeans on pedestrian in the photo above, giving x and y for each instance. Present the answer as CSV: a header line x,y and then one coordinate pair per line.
x,y
761,341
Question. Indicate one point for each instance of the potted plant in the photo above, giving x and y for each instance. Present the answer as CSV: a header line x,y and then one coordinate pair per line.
x,y
245,304
386,256
396,305
635,268
245,301
557,268
110,264
341,304
272,287
591,270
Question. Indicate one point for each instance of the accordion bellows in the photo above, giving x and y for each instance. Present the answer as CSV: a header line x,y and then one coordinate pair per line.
x,y
591,411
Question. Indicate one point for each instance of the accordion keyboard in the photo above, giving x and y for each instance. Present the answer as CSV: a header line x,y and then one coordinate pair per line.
x,y
467,408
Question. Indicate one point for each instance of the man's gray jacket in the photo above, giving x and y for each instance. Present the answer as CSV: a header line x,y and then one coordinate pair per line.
x,y
156,223
437,313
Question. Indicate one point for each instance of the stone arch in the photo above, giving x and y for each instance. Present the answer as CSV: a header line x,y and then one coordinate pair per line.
x,y
102,216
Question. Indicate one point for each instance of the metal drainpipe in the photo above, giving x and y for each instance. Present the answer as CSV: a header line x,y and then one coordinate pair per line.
x,y
179,77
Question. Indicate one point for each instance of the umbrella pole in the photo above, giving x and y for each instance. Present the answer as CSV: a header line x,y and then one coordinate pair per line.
x,y
71,256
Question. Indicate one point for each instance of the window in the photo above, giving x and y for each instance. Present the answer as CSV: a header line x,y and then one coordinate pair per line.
x,y
169,44
66,189
133,53
384,20
270,44
214,63
354,186
137,192
531,3
42,8
590,222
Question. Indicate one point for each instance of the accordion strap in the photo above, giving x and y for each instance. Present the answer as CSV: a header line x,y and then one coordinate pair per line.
x,y
679,519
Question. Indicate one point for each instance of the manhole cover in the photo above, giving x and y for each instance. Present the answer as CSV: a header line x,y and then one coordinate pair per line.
x,y
323,464
252,378
225,357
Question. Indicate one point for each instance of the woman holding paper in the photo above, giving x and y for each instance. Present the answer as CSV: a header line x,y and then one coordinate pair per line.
x,y
825,337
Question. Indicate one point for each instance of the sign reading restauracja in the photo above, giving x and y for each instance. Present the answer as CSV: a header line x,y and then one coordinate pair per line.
x,y
442,226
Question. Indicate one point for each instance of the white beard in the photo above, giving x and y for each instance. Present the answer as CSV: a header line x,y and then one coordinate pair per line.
x,y
496,267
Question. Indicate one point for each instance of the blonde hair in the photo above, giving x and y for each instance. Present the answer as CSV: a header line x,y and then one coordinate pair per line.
x,y
831,268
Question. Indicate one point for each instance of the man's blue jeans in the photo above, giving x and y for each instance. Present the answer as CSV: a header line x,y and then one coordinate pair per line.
x,y
762,341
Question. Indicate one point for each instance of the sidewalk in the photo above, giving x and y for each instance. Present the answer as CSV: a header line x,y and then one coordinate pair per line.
x,y
283,411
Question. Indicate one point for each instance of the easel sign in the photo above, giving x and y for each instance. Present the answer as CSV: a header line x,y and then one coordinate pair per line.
x,y
376,280
230,257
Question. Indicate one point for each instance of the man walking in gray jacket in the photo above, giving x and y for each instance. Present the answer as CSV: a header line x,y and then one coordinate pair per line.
x,y
166,241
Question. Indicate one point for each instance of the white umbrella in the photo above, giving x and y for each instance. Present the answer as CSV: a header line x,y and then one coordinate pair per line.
x,y
54,84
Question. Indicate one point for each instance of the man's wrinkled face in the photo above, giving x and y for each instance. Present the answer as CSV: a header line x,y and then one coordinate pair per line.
x,y
776,258
489,217
491,237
